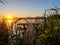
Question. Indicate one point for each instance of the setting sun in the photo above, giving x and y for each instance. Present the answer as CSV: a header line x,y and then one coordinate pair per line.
x,y
9,17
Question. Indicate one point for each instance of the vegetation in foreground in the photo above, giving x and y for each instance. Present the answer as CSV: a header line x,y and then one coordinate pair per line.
x,y
47,33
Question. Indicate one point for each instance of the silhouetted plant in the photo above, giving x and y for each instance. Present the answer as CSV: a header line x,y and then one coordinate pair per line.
x,y
3,33
49,32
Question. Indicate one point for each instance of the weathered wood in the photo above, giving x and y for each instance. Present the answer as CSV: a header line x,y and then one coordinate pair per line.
x,y
29,35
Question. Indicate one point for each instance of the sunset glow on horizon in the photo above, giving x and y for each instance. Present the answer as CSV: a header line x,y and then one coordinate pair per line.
x,y
26,8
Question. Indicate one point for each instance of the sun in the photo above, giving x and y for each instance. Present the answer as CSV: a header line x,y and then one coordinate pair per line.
x,y
9,18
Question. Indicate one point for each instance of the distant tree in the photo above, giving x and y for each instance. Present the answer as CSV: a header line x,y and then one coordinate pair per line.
x,y
55,16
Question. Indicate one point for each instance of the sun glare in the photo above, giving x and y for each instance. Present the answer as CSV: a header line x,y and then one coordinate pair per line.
x,y
9,21
9,18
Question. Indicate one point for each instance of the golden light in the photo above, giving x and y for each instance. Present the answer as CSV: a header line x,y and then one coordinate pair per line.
x,y
9,19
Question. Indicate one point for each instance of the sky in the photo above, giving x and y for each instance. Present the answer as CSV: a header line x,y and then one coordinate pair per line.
x,y
26,8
